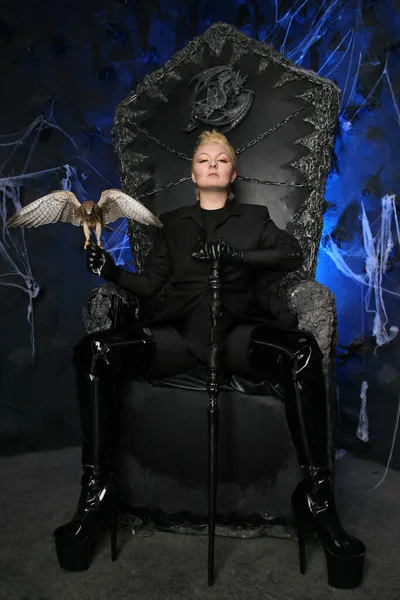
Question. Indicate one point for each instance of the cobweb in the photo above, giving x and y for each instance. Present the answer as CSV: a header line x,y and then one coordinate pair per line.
x,y
378,249
14,253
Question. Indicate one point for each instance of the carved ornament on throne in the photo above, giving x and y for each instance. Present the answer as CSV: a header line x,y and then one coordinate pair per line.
x,y
219,99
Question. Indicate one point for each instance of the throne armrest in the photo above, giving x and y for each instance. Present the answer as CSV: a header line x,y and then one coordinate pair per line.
x,y
109,307
315,307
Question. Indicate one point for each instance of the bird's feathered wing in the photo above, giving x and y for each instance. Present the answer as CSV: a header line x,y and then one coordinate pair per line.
x,y
61,205
116,204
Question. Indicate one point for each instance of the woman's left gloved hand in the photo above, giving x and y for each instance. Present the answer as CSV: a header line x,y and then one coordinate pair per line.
x,y
216,250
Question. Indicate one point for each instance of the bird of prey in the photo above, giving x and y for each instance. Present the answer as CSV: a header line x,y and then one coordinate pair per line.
x,y
63,205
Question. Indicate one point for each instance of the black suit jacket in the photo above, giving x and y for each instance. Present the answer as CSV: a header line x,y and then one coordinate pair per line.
x,y
244,289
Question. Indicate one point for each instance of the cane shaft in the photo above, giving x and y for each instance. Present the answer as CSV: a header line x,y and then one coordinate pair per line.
x,y
213,385
213,419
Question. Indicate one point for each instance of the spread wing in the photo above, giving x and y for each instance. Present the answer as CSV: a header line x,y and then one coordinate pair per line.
x,y
58,206
116,204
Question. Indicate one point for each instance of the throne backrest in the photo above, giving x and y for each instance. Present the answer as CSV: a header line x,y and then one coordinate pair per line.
x,y
282,128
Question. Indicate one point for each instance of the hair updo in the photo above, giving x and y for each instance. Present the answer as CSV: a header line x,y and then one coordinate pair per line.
x,y
214,137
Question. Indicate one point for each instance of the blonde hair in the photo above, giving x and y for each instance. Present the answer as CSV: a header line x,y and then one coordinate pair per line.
x,y
214,137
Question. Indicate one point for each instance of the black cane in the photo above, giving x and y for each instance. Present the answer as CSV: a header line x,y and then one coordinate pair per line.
x,y
214,369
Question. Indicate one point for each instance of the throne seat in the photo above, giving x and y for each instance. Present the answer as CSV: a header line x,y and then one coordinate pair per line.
x,y
161,460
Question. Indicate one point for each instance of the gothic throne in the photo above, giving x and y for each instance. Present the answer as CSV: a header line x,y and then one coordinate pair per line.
x,y
281,121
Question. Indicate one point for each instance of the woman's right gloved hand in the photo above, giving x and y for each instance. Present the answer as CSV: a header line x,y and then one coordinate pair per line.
x,y
100,263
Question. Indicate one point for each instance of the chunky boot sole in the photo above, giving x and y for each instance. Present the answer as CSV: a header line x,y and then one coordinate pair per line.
x,y
344,570
75,554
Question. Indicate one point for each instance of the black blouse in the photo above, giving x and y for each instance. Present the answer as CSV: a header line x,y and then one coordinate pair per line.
x,y
269,252
195,326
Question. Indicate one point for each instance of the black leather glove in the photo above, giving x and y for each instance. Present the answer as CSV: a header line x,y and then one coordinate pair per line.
x,y
216,250
266,258
100,263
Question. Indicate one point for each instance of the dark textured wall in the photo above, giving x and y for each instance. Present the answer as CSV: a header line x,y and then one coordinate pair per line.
x,y
65,66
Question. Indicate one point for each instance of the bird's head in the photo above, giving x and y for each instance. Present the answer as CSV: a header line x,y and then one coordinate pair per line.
x,y
89,206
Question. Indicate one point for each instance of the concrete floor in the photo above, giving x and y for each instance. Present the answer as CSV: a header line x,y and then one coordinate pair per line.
x,y
39,491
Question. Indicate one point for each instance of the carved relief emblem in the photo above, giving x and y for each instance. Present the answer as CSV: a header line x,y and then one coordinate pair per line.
x,y
219,99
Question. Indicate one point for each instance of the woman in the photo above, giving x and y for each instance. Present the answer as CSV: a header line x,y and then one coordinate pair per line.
x,y
252,250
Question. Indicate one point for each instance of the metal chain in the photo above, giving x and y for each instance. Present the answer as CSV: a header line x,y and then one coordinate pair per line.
x,y
165,187
239,151
273,129
239,178
281,183
159,142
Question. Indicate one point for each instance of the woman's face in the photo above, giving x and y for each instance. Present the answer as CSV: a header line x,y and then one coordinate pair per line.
x,y
212,167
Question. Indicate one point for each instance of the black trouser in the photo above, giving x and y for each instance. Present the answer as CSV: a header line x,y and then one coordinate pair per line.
x,y
264,350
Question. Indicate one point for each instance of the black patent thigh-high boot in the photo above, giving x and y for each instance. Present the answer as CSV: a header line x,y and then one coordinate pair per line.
x,y
98,359
99,497
298,358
